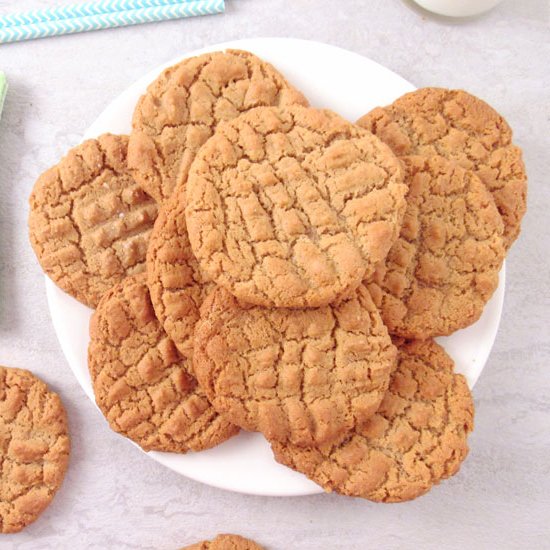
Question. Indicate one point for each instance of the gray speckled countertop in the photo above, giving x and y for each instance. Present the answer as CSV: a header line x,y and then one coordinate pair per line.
x,y
116,497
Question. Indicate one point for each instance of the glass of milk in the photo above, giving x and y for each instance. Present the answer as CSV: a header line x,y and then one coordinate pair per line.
x,y
458,8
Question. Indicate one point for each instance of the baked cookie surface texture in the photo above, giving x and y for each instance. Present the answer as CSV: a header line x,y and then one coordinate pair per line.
x,y
307,376
89,221
416,438
462,128
225,542
445,265
183,106
34,447
141,383
177,285
292,207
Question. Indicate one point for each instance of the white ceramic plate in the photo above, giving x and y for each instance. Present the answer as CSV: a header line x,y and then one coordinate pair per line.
x,y
330,77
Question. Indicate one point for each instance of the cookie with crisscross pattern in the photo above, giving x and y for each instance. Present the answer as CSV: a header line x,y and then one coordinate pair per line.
x,y
444,266
183,106
89,221
464,129
307,376
292,207
34,447
416,438
143,386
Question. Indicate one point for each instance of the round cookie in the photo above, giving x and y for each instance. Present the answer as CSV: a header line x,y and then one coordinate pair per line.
x,y
416,439
182,107
292,207
34,448
225,542
141,383
306,376
444,266
463,128
176,284
89,221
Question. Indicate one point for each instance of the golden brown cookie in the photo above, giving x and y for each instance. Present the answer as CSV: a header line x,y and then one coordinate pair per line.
x,y
34,448
291,207
463,128
141,383
416,439
182,107
176,284
89,220
225,542
444,266
306,376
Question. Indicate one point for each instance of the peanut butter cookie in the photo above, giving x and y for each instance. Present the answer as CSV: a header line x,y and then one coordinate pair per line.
x,y
34,448
416,439
89,221
444,266
292,207
225,542
141,383
463,128
305,376
182,107
176,283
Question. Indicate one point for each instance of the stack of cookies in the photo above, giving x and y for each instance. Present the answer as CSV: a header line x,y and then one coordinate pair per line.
x,y
259,264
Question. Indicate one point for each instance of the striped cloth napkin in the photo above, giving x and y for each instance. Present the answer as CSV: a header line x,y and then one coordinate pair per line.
x,y
99,14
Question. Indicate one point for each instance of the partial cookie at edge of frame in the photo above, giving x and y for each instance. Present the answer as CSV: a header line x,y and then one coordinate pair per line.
x,y
34,447
225,542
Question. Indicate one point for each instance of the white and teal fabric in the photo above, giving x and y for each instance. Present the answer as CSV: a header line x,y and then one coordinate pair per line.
x,y
101,14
